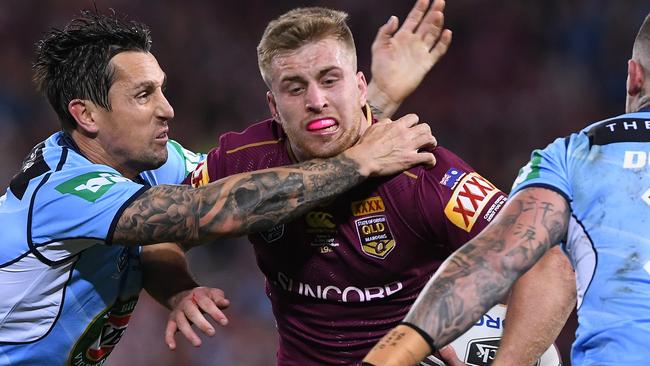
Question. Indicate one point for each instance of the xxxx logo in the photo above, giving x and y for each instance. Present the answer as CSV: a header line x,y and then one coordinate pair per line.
x,y
200,176
368,206
468,200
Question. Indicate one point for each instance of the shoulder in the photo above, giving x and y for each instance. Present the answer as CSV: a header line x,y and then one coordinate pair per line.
x,y
264,133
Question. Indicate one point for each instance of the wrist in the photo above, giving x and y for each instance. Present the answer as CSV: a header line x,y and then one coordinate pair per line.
x,y
364,166
403,345
382,104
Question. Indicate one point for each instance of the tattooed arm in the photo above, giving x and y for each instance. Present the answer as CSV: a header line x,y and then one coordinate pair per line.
x,y
401,58
476,276
255,201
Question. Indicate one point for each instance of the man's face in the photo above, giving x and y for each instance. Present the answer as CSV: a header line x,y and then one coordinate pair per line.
x,y
317,96
134,132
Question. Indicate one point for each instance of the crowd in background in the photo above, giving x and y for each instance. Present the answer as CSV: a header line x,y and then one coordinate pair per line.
x,y
517,74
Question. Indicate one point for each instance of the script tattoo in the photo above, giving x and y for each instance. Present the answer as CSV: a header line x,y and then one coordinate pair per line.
x,y
480,273
236,205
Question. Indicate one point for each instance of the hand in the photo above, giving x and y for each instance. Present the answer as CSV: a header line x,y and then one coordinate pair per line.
x,y
189,307
402,57
390,147
449,356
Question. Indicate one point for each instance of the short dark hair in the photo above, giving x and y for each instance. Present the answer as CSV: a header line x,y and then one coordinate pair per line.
x,y
74,62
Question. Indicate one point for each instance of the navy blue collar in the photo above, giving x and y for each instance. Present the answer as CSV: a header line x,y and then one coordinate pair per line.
x,y
644,109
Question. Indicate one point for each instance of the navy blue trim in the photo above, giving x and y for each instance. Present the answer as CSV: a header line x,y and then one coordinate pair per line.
x,y
58,315
62,160
543,185
18,258
118,214
30,243
66,259
593,274
644,109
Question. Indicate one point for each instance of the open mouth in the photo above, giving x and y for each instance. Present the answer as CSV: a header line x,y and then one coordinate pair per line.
x,y
162,136
323,125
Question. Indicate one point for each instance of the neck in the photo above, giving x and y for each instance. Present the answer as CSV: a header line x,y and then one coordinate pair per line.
x,y
95,152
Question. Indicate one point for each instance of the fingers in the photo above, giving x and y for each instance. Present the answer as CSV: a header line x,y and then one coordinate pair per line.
x,y
170,330
386,31
442,46
409,120
415,15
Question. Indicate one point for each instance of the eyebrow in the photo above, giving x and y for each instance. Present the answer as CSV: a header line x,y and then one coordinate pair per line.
x,y
148,84
325,71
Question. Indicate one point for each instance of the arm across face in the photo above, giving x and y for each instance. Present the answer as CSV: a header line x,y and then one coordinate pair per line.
x,y
477,275
255,201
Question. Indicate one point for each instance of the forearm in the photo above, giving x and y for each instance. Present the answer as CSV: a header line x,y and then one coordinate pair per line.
x,y
540,303
239,204
165,272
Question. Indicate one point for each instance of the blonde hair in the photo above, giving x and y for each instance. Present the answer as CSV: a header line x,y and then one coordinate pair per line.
x,y
298,27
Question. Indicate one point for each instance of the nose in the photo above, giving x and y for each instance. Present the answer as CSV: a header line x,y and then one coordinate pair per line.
x,y
315,99
165,109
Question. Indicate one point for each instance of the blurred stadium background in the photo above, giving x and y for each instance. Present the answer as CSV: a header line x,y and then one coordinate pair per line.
x,y
517,75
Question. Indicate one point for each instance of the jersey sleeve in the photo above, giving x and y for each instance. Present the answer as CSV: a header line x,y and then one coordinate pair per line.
x,y
456,201
547,168
180,162
80,205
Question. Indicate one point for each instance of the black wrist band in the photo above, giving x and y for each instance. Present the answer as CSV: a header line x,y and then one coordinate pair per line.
x,y
423,334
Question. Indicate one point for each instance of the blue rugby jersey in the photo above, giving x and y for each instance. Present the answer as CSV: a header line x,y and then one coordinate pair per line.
x,y
604,173
67,291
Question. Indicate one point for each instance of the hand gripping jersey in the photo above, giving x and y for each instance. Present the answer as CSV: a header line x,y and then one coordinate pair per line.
x,y
603,172
347,272
68,291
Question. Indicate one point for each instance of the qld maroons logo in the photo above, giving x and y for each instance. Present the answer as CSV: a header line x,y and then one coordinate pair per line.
x,y
102,334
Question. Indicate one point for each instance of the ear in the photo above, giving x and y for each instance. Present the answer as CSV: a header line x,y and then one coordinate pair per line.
x,y
635,78
82,111
362,84
273,107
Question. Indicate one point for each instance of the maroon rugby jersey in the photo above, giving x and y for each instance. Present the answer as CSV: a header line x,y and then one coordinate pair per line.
x,y
344,274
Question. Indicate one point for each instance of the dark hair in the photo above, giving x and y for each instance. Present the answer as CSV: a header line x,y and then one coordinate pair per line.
x,y
74,62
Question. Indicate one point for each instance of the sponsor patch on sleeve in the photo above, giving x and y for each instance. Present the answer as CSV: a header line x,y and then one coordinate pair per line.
x,y
200,175
451,177
469,198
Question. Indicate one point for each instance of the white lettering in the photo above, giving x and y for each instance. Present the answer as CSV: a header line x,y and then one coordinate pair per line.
x,y
326,289
379,293
634,159
390,291
628,125
611,126
352,288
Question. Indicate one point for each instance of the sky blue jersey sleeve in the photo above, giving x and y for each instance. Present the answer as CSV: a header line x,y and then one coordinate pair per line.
x,y
547,168
180,162
78,206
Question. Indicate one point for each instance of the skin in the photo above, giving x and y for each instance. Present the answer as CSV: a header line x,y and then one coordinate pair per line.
x,y
318,81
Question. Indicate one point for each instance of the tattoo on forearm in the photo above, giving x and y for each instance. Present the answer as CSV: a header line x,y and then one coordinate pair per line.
x,y
376,111
239,204
482,271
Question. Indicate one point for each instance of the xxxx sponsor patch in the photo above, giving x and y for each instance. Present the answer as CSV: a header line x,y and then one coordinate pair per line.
x,y
468,200
200,176
368,206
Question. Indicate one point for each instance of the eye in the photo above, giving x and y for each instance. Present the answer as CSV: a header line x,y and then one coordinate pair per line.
x,y
142,97
296,90
330,81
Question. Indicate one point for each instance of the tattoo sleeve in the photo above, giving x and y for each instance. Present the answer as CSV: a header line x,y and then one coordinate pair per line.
x,y
236,205
480,273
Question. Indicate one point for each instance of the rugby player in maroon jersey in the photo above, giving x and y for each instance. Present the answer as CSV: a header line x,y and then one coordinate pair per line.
x,y
344,274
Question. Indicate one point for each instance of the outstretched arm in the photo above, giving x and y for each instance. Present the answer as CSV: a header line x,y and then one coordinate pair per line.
x,y
476,276
257,201
541,299
401,58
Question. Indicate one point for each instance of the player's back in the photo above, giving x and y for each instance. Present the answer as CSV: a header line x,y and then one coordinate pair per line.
x,y
604,173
